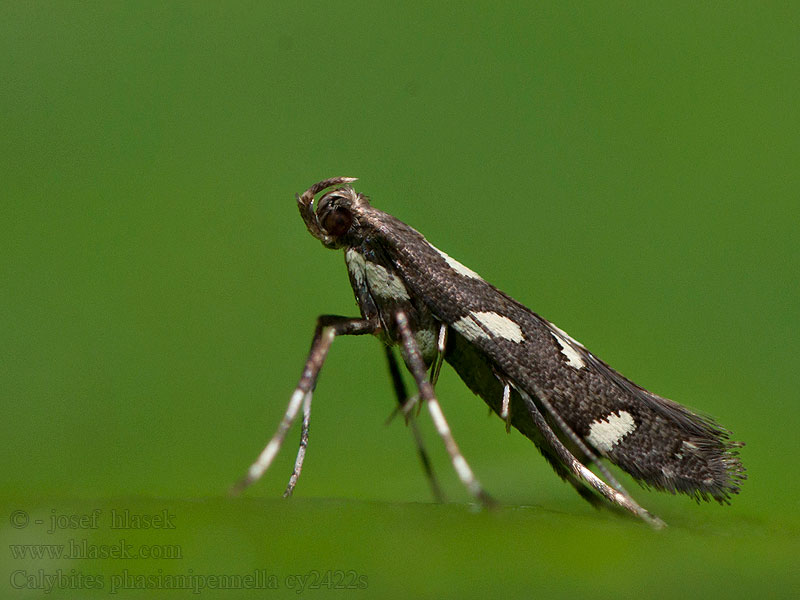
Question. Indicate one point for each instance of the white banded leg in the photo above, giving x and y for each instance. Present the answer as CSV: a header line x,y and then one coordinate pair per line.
x,y
328,327
504,411
441,344
417,367
576,439
402,395
301,451
436,368
619,498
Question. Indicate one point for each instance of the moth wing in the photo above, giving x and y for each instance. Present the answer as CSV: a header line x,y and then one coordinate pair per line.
x,y
658,441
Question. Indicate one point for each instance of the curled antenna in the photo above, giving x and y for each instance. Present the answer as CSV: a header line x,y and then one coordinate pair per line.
x,y
308,195
306,205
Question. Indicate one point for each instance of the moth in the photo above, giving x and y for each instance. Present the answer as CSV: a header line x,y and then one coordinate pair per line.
x,y
576,409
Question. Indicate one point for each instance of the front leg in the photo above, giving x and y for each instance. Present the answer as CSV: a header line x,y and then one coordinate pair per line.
x,y
328,327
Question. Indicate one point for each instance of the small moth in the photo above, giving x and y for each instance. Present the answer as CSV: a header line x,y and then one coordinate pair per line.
x,y
574,407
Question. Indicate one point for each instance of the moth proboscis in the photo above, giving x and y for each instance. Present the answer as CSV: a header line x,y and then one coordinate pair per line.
x,y
574,407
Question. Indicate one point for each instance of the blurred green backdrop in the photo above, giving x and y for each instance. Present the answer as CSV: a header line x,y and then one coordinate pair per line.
x,y
628,171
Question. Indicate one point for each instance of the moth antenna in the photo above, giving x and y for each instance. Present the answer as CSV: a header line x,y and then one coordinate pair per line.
x,y
307,198
305,203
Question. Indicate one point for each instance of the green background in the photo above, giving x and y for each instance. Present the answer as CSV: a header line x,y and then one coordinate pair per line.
x,y
629,171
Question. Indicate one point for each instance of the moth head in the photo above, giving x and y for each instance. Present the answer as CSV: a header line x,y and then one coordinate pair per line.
x,y
336,216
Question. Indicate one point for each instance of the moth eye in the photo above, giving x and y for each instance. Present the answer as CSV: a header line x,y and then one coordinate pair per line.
x,y
337,221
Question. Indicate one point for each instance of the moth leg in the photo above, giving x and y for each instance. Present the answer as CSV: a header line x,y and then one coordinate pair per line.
x,y
436,368
504,412
576,439
408,407
405,408
441,344
328,327
618,498
402,394
301,451
417,367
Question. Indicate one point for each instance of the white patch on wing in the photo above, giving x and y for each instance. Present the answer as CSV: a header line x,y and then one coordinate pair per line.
x,y
499,325
605,434
355,264
567,336
384,284
485,324
457,266
574,359
470,329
